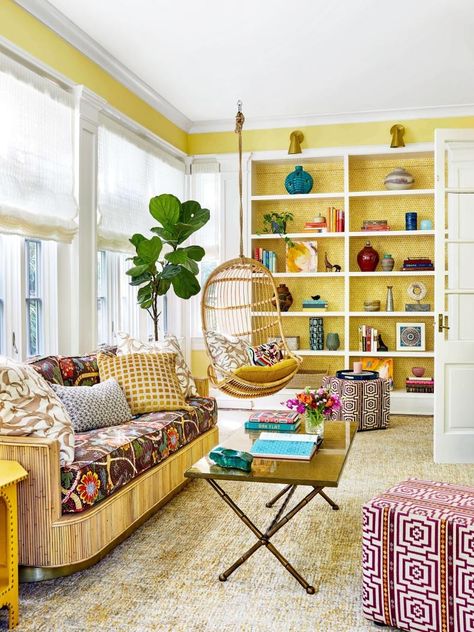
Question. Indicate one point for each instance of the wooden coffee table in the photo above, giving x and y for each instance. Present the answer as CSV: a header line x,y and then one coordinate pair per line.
x,y
324,470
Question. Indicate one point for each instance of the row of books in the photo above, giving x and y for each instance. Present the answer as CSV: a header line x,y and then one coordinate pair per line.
x,y
267,257
417,264
419,385
280,421
368,338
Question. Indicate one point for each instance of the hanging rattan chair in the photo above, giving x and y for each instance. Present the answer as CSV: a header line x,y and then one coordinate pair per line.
x,y
239,301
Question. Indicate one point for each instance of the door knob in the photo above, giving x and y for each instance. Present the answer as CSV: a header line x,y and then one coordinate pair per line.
x,y
442,322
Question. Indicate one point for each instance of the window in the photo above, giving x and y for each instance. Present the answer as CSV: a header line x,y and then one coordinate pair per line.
x,y
102,315
206,189
34,316
2,297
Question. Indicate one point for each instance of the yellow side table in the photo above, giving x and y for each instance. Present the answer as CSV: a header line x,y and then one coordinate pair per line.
x,y
11,473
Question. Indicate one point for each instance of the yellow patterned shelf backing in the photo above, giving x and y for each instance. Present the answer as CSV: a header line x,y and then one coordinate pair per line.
x,y
303,211
368,173
387,328
399,247
392,209
375,289
333,247
323,364
299,326
402,368
331,289
269,178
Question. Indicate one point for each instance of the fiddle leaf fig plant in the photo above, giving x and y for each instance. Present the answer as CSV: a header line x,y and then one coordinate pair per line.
x,y
160,262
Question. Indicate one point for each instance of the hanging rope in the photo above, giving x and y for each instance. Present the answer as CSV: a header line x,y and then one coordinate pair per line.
x,y
239,123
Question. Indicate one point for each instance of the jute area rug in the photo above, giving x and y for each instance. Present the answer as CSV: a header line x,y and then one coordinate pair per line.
x,y
164,577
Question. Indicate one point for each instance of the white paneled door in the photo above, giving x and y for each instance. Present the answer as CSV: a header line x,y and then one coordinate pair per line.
x,y
454,327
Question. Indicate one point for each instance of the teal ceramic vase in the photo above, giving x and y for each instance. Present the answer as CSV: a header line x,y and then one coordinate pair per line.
x,y
298,181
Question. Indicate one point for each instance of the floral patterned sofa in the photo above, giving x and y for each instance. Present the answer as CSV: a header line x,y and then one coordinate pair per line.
x,y
71,516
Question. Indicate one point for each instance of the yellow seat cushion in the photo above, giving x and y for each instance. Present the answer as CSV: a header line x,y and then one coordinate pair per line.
x,y
267,374
148,380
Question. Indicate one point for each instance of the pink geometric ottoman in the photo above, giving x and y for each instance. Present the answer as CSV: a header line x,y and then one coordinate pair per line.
x,y
364,401
418,557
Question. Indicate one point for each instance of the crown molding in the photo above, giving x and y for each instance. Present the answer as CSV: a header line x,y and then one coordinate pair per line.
x,y
371,116
65,28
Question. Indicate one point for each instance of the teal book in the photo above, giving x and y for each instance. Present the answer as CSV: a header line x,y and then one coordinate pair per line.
x,y
257,425
285,448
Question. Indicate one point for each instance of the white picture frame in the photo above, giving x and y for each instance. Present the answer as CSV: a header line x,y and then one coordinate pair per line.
x,y
411,337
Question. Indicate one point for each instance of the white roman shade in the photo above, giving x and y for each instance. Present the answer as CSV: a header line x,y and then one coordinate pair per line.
x,y
131,171
205,189
36,154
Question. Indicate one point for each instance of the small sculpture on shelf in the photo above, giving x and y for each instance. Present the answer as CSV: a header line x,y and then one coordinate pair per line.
x,y
381,346
285,298
417,291
331,266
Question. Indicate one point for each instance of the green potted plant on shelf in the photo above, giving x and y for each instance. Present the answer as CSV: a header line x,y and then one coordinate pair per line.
x,y
160,262
276,222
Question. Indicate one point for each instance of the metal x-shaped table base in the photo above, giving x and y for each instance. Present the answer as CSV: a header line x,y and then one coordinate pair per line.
x,y
263,538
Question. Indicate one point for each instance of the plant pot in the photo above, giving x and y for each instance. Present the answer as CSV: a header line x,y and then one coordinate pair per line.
x,y
278,228
285,298
314,423
332,342
298,181
367,258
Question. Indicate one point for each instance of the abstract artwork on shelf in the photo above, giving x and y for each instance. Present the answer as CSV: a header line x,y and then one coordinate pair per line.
x,y
383,366
302,256
410,336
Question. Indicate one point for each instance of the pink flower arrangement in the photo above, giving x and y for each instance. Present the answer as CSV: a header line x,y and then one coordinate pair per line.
x,y
320,401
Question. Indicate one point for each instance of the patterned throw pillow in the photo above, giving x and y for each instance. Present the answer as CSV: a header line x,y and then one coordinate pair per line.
x,y
48,367
266,354
92,407
28,406
148,380
127,344
79,370
228,352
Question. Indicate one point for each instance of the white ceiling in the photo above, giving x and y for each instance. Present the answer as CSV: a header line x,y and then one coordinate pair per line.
x,y
289,58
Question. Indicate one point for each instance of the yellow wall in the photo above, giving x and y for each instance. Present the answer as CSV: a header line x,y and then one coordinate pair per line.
x,y
377,133
25,31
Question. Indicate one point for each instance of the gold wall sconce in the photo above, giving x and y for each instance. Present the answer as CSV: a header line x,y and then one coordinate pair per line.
x,y
397,132
296,138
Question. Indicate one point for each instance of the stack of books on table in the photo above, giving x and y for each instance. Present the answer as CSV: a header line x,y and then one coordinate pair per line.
x,y
417,264
375,224
319,305
267,257
295,447
419,384
368,338
280,421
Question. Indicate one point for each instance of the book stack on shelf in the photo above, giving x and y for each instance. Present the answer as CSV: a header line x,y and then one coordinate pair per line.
x,y
316,305
375,225
419,385
267,257
368,338
335,220
417,264
284,421
317,226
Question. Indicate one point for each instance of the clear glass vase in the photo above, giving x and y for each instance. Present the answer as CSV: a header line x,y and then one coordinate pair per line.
x,y
314,422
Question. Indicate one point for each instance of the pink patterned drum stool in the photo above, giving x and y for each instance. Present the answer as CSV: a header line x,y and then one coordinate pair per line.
x,y
418,557
364,401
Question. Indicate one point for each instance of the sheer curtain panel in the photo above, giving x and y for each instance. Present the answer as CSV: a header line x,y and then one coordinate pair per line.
x,y
36,155
131,171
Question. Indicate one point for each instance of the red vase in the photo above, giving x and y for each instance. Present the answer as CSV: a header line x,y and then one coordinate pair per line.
x,y
368,258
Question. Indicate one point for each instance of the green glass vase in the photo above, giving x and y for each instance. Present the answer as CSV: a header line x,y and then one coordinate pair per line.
x,y
314,422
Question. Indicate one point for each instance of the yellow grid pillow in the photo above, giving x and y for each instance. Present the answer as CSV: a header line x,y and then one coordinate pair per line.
x,y
148,380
